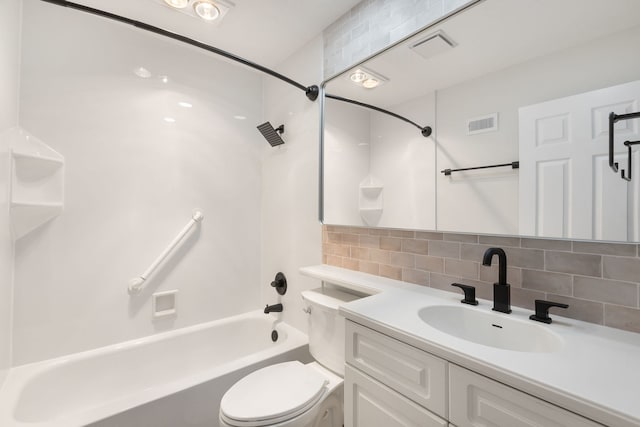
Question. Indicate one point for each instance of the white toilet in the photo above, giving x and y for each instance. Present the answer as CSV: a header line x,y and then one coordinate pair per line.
x,y
292,394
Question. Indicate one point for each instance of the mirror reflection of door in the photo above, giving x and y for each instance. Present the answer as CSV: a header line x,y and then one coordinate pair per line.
x,y
566,186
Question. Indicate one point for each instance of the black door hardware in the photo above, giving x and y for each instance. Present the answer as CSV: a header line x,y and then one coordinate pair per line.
x,y
613,118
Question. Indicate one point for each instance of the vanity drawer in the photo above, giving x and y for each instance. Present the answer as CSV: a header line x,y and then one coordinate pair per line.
x,y
369,403
475,400
417,375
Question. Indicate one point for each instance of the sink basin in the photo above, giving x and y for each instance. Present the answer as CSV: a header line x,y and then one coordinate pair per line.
x,y
491,329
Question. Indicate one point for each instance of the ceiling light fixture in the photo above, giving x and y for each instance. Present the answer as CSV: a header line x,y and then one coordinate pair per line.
x,y
358,76
206,10
370,83
366,78
210,11
178,4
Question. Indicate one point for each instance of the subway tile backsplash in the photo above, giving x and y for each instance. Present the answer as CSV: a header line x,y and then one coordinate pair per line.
x,y
599,281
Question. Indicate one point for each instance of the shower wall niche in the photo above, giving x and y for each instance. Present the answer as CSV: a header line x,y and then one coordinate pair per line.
x,y
36,189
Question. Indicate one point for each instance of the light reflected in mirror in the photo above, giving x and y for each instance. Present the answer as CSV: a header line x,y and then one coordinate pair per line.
x,y
500,82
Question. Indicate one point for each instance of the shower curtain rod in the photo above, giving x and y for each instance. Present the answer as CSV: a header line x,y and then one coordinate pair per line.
x,y
310,91
426,130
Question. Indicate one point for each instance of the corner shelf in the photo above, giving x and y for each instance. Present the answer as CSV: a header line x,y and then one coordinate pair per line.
x,y
371,191
36,187
370,201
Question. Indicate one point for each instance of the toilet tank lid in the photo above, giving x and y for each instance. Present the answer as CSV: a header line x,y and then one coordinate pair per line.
x,y
328,297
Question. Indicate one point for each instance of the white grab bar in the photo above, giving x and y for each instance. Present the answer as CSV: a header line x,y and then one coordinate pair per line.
x,y
137,283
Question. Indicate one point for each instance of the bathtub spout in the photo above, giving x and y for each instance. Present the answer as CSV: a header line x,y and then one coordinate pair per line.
x,y
273,308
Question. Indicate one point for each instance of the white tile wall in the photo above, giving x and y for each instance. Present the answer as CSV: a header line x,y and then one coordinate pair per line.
x,y
9,86
291,232
132,180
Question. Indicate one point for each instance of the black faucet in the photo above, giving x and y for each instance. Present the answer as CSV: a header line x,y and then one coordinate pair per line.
x,y
277,308
501,290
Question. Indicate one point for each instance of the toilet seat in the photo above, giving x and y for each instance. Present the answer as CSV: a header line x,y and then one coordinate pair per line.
x,y
273,395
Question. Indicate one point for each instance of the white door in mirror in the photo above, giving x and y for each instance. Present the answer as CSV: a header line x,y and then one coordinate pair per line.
x,y
564,147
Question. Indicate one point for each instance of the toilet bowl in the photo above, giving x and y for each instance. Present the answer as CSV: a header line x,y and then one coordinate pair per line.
x,y
292,394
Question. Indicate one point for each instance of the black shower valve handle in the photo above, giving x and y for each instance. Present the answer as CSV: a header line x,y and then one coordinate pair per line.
x,y
469,293
280,283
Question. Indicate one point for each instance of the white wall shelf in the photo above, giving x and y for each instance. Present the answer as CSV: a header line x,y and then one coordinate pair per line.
x,y
370,200
37,181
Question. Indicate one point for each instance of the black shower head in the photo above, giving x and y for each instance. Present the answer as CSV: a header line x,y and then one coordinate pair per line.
x,y
270,134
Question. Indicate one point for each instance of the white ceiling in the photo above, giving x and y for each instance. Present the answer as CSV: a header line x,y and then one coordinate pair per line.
x,y
263,31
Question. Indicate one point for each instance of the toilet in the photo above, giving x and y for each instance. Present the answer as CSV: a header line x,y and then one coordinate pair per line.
x,y
293,394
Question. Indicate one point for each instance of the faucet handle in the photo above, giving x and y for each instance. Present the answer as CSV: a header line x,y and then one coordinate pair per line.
x,y
280,283
542,310
469,293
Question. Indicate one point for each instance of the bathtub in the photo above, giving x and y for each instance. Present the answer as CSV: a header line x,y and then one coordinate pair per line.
x,y
173,379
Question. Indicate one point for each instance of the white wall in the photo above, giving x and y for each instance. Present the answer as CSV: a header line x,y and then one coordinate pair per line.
x,y
9,86
404,161
361,143
132,180
492,197
347,161
291,232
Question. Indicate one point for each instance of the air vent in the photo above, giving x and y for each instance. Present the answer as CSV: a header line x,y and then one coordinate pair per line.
x,y
433,44
488,123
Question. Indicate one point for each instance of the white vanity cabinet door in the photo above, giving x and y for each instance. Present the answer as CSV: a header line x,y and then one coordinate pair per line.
x,y
369,403
476,401
406,369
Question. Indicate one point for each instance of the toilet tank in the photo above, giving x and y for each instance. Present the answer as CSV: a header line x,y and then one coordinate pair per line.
x,y
326,326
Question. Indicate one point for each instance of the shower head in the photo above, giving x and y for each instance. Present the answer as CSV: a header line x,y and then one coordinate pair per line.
x,y
270,134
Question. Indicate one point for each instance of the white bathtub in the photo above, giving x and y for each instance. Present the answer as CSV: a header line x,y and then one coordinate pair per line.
x,y
173,379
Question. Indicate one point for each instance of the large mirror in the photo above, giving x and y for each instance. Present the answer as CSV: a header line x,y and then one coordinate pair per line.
x,y
532,92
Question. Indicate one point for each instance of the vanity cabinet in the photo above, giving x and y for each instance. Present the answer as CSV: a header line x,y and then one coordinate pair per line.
x,y
389,383
412,372
369,403
475,400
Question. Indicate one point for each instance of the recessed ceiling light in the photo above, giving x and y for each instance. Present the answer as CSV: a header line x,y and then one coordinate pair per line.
x,y
358,76
206,10
185,104
169,120
366,78
370,83
239,117
210,11
178,4
164,79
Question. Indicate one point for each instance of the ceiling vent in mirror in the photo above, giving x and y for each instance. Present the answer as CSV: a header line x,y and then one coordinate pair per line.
x,y
433,44
211,11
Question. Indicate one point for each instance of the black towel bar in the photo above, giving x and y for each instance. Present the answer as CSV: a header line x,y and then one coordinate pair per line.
x,y
513,165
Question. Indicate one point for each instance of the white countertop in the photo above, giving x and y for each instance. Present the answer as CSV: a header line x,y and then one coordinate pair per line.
x,y
596,373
